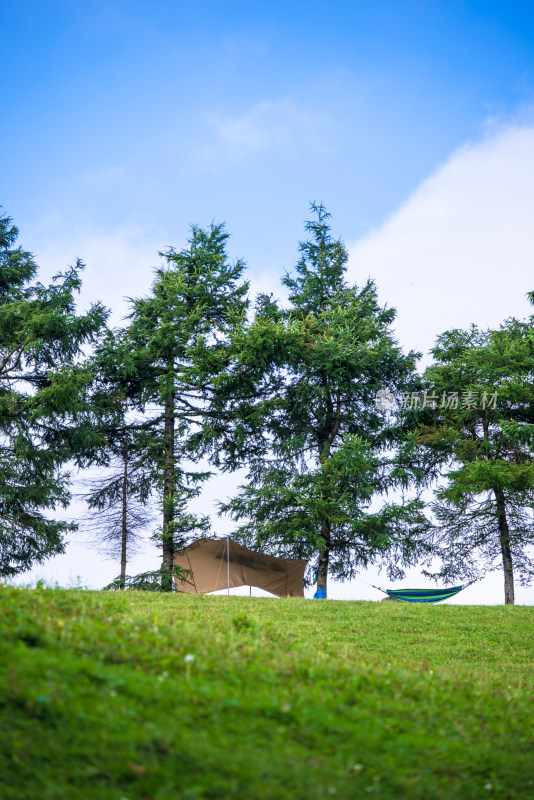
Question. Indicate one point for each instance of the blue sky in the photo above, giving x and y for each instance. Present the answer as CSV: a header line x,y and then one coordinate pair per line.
x,y
123,122
125,113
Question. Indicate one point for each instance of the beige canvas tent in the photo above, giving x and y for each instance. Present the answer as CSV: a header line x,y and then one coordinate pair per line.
x,y
224,564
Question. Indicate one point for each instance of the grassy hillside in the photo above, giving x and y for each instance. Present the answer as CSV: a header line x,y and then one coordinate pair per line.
x,y
141,696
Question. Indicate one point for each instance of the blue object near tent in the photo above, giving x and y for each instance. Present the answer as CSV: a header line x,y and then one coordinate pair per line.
x,y
320,594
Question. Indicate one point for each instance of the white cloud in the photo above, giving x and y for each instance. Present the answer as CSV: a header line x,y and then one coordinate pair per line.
x,y
266,125
118,262
461,248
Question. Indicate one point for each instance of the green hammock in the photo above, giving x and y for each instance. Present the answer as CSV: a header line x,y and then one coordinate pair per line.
x,y
423,595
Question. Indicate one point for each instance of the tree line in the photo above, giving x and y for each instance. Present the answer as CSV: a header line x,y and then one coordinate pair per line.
x,y
341,437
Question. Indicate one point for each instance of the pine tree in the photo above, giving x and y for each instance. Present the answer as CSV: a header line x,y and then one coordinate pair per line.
x,y
179,340
118,494
482,429
117,501
312,373
44,416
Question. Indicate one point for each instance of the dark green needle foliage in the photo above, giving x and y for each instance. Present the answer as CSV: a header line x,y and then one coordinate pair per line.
x,y
317,368
44,415
481,428
179,340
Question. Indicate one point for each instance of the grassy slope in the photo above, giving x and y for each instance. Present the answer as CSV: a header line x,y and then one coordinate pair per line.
x,y
284,698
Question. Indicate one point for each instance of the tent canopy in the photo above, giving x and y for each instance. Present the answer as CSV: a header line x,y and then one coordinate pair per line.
x,y
216,564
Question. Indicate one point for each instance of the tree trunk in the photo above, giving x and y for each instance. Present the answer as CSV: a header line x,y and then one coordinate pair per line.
x,y
124,520
168,499
324,557
324,552
504,536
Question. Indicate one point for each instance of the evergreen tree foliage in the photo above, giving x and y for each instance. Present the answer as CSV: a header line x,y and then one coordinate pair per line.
x,y
481,427
179,345
323,445
45,420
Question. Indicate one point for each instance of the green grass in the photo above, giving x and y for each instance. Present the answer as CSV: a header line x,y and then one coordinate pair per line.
x,y
283,698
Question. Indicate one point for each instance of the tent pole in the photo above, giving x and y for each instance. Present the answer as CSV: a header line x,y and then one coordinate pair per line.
x,y
228,562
